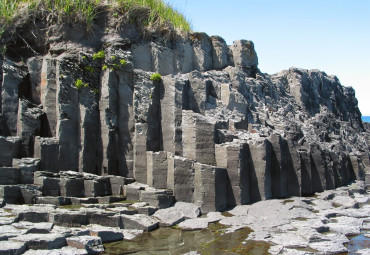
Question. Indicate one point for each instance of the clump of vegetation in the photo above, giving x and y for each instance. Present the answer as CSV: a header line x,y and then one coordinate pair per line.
x,y
99,55
123,62
156,77
105,67
159,13
90,69
79,84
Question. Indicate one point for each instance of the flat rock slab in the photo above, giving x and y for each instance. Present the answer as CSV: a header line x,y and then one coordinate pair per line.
x,y
129,234
123,210
7,247
346,225
194,224
41,241
328,247
289,240
68,232
169,217
139,221
106,234
63,251
7,220
92,244
9,231
189,210
345,201
34,228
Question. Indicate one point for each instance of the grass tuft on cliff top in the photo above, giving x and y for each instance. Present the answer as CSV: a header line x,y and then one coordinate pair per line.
x,y
156,12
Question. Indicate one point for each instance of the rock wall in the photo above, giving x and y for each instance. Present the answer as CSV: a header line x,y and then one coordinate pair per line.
x,y
214,129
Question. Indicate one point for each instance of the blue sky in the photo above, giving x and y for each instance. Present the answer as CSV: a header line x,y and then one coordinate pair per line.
x,y
329,35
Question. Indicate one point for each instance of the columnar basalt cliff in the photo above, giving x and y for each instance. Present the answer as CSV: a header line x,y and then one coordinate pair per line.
x,y
214,130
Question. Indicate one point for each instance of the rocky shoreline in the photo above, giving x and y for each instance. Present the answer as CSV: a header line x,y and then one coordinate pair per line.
x,y
319,224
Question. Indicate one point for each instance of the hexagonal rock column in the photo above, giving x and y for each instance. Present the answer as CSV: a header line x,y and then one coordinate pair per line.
x,y
67,129
318,168
210,188
108,106
173,99
232,157
180,178
198,138
157,169
259,165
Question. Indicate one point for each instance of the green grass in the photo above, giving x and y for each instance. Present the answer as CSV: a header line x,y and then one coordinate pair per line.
x,y
159,15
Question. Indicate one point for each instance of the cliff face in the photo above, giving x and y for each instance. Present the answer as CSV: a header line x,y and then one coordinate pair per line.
x,y
214,124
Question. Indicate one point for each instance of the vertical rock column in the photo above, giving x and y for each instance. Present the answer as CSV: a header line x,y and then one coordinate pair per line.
x,y
202,48
108,107
48,91
147,121
13,77
34,65
245,56
28,125
232,157
163,60
318,168
279,162
294,168
198,138
67,113
259,165
306,172
219,53
126,124
180,178
183,56
173,100
210,188
157,169
47,150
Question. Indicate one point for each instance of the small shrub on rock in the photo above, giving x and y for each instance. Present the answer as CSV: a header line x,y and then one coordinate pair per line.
x,y
156,77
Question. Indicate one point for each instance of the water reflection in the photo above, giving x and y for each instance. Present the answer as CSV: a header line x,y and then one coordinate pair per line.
x,y
174,241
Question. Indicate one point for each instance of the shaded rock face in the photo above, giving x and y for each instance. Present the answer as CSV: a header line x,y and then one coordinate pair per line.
x,y
214,129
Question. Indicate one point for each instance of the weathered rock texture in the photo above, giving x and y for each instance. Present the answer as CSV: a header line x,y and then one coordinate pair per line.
x,y
214,130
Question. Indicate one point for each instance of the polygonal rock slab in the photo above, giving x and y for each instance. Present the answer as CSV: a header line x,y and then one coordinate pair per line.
x,y
106,234
92,244
139,221
41,241
7,247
